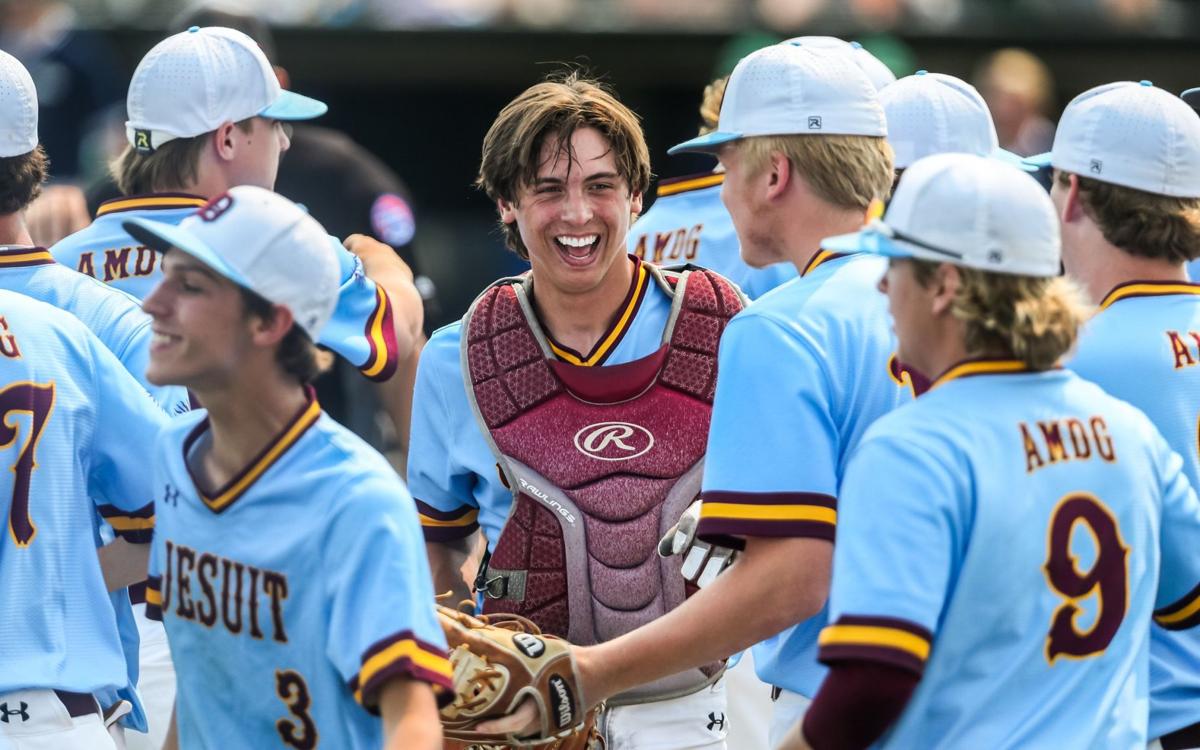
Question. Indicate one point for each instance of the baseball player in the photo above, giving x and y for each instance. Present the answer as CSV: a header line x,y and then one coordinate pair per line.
x,y
206,112
809,358
687,222
1126,187
575,398
77,429
287,565
1012,531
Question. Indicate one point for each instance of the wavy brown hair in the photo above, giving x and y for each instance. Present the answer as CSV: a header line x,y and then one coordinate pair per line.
x,y
21,179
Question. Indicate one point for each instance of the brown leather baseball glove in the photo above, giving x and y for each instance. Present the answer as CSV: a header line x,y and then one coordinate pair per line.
x,y
499,661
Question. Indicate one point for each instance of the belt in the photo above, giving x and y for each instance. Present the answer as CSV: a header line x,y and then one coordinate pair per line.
x,y
78,704
137,593
1181,739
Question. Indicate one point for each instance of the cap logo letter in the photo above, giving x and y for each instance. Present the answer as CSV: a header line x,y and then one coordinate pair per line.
x,y
215,207
814,122
141,140
1096,166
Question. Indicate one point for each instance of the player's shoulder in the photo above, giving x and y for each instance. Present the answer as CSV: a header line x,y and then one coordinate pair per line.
x,y
442,349
363,477
100,231
180,427
22,311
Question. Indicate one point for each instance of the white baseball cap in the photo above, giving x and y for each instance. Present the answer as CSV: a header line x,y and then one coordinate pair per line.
x,y
967,210
261,241
1129,134
192,82
879,73
934,113
791,89
18,108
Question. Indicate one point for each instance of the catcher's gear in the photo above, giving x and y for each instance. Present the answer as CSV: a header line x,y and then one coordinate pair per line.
x,y
501,660
702,562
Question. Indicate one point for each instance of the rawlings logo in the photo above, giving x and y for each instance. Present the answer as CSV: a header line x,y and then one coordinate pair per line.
x,y
613,441
553,504
565,707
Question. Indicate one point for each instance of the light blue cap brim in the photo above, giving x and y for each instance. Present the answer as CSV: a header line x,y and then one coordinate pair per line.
x,y
1039,161
1018,161
866,241
704,144
162,237
293,106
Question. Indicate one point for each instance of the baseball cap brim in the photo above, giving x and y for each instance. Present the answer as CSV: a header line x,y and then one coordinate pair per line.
x,y
1039,161
704,144
1018,161
293,106
163,237
867,240
1192,97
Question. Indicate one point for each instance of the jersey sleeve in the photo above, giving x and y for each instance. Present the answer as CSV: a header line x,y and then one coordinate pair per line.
x,y
382,620
126,428
361,329
1178,599
890,576
154,578
773,444
442,485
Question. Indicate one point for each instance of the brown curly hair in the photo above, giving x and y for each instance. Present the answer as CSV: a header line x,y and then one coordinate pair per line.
x,y
22,177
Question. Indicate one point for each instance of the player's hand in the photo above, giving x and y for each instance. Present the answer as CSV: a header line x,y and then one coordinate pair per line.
x,y
60,210
375,254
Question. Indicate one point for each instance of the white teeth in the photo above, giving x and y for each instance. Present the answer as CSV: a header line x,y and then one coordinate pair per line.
x,y
578,241
160,338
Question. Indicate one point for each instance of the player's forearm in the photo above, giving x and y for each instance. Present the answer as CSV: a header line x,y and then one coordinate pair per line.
x,y
396,395
774,584
123,564
446,562
410,717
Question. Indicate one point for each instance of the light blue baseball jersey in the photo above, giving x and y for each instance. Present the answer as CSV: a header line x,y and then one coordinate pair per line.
x,y
114,317
361,329
451,470
1193,270
77,431
1144,347
804,371
1007,532
688,223
292,594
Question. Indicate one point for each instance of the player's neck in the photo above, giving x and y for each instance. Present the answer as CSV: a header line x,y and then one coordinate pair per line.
x,y
13,230
1109,266
805,230
245,418
578,320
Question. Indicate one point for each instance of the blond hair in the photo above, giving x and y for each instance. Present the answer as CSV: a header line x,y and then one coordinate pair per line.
x,y
1147,225
556,108
848,171
172,166
710,105
1035,319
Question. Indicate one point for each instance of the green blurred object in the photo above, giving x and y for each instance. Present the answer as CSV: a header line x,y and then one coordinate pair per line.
x,y
738,47
892,52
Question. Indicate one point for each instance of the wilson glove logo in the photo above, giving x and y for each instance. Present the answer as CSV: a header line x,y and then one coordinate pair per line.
x,y
530,645
564,705
613,441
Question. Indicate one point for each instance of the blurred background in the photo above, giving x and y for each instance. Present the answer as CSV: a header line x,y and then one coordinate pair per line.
x,y
417,82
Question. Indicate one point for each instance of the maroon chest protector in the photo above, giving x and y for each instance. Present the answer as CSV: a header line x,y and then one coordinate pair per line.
x,y
602,461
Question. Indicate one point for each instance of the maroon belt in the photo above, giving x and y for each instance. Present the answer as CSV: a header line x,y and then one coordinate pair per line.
x,y
78,704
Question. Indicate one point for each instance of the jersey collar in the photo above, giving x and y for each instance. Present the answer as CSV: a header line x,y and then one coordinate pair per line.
x,y
621,323
238,485
982,366
691,182
150,202
15,256
1147,289
822,257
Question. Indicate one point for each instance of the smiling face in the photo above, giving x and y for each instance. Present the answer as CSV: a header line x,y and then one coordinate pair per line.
x,y
574,217
201,333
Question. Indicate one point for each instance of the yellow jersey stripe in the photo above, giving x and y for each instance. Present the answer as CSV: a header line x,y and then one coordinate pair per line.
x,y
738,511
406,649
1189,611
466,520
42,255
153,596
613,335
871,635
981,368
817,260
130,523
379,343
159,202
1142,290
694,184
228,496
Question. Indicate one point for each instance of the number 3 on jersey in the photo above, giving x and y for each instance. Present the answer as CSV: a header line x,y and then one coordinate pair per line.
x,y
293,691
37,401
1107,578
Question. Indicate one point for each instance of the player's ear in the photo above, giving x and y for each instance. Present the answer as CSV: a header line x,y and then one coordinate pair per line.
x,y
1072,206
270,330
224,142
779,175
635,203
944,288
508,210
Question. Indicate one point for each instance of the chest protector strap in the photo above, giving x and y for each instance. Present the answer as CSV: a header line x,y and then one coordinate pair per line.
x,y
601,462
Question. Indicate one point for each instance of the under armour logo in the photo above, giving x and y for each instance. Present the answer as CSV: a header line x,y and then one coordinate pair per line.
x,y
1096,166
716,721
23,712
814,123
171,495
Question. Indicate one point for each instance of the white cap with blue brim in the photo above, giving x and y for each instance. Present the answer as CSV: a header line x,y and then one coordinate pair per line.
x,y
794,89
966,210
